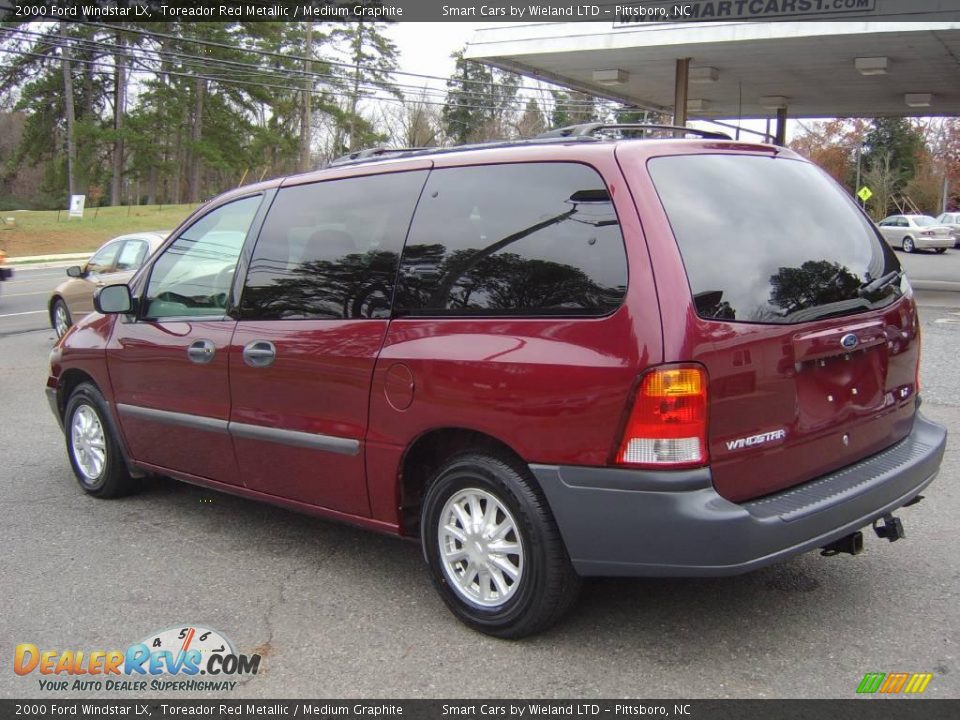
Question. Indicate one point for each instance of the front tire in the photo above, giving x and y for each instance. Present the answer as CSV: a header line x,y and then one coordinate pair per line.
x,y
908,245
60,318
494,550
92,446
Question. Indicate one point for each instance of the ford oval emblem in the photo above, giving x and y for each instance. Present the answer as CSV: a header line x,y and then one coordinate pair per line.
x,y
849,341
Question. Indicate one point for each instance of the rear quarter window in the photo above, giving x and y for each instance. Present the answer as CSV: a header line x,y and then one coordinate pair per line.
x,y
771,240
515,239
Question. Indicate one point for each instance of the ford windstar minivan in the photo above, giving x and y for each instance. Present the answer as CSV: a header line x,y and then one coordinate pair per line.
x,y
579,355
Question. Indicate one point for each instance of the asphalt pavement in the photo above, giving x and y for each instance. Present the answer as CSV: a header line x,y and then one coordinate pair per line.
x,y
339,612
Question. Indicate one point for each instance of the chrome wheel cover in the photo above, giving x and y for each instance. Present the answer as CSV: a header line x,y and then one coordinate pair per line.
x,y
481,550
88,444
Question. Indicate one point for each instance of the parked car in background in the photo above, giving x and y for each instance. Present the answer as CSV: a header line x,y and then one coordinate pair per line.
x,y
114,262
952,221
916,232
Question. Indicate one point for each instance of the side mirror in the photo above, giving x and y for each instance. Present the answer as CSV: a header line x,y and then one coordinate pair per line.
x,y
75,271
113,299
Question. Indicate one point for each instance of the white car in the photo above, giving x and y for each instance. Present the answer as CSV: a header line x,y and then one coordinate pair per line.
x,y
916,232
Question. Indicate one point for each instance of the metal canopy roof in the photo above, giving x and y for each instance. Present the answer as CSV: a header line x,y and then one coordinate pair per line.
x,y
811,64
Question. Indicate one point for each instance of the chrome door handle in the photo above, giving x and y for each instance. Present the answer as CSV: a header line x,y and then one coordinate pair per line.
x,y
259,353
202,351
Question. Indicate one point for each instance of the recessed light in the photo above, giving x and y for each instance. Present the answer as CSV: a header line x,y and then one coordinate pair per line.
x,y
871,65
918,99
773,102
703,75
610,77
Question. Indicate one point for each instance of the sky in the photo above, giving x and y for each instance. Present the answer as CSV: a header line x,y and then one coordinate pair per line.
x,y
426,47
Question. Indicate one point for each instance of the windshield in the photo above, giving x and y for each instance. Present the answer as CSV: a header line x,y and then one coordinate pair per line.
x,y
923,220
771,240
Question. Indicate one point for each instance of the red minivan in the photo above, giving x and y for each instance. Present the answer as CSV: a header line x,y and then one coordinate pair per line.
x,y
574,356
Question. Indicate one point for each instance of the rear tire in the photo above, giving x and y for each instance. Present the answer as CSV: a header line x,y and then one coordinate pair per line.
x,y
494,550
60,318
908,245
92,446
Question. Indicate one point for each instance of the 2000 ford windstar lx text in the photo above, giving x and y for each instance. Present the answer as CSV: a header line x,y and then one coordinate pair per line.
x,y
578,355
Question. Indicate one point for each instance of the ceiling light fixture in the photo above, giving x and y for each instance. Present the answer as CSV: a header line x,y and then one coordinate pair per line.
x,y
918,100
871,65
703,75
773,102
610,77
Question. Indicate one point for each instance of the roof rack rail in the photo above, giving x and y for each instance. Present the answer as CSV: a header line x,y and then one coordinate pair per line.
x,y
588,129
374,152
385,153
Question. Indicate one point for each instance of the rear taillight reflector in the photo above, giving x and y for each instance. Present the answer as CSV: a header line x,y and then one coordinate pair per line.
x,y
667,425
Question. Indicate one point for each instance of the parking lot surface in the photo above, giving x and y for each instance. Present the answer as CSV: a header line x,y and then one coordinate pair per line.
x,y
338,612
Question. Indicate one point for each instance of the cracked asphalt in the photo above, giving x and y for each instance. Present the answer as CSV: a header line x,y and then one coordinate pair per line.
x,y
339,612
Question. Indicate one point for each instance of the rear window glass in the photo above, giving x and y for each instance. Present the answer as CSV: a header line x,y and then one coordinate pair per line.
x,y
771,240
518,239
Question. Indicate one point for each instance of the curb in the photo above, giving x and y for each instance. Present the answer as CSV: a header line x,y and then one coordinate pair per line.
x,y
31,259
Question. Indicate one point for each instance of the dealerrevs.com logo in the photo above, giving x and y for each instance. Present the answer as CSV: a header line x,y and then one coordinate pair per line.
x,y
173,659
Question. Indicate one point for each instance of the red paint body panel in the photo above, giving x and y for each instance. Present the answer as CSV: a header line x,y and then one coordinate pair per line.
x,y
149,368
319,383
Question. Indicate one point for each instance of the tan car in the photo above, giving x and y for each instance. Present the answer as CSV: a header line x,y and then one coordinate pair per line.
x,y
115,262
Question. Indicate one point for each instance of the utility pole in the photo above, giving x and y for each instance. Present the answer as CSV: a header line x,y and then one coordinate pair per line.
x,y
68,101
306,109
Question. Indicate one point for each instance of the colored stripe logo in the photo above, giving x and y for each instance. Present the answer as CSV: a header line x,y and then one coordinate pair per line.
x,y
894,683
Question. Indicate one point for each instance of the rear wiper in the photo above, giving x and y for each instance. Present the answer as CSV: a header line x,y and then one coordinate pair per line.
x,y
879,283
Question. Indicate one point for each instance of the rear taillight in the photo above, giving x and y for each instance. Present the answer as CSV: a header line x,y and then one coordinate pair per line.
x,y
667,425
926,233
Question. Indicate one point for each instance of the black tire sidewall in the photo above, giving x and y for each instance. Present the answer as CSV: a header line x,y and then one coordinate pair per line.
x,y
513,491
114,479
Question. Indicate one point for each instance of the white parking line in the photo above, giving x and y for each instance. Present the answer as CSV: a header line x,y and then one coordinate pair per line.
x,y
31,312
38,292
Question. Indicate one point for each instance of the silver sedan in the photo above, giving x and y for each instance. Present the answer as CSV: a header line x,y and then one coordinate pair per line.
x,y
916,232
952,220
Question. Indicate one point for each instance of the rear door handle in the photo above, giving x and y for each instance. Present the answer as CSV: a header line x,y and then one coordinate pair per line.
x,y
202,351
259,353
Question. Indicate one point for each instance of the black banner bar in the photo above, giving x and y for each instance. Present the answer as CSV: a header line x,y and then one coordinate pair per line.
x,y
620,15
859,709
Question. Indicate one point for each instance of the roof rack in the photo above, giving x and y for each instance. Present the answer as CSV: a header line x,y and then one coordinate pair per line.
x,y
385,153
375,152
590,129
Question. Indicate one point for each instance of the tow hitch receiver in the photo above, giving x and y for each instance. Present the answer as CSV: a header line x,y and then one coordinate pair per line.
x,y
851,544
891,529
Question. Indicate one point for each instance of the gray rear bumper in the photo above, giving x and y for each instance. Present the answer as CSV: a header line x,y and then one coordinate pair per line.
x,y
633,522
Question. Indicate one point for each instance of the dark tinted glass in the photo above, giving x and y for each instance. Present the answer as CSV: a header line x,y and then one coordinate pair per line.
x,y
523,239
330,249
771,240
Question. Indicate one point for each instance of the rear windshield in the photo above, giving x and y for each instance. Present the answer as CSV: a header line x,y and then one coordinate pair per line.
x,y
923,220
772,240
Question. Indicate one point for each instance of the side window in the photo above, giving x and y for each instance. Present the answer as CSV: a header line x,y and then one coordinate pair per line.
x,y
518,239
330,249
132,255
104,258
193,275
